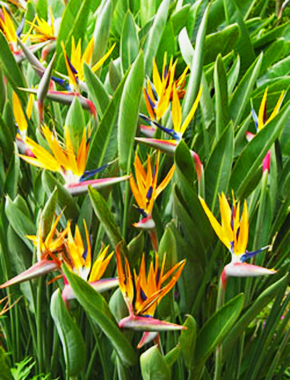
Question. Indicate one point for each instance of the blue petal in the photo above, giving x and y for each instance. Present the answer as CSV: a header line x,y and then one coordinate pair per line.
x,y
71,66
89,173
142,212
149,194
255,117
145,118
143,295
152,104
169,131
85,254
153,89
61,82
247,255
20,27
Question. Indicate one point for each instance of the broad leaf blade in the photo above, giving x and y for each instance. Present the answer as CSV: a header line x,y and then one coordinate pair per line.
x,y
252,156
70,335
129,111
217,327
218,169
95,305
129,42
155,35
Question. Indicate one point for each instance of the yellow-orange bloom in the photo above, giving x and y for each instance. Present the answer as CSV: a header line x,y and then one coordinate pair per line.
x,y
145,189
150,289
63,158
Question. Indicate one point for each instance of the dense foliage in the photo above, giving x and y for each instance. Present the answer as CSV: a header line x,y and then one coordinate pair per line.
x,y
144,184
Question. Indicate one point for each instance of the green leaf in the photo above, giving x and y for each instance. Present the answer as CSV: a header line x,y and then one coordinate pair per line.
x,y
233,75
65,200
10,67
221,97
118,305
218,169
2,90
154,366
221,42
206,100
75,122
256,307
216,15
136,248
97,308
187,342
129,111
280,69
129,42
241,96
193,273
70,335
48,213
13,174
120,11
19,220
217,328
20,260
196,67
104,137
167,246
179,18
5,372
244,45
73,23
97,90
102,31
154,36
41,9
172,356
147,10
252,156
273,53
115,76
105,217
167,44
187,199
272,35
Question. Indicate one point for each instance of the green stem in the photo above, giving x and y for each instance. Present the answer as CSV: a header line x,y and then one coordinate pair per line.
x,y
275,362
219,352
102,359
39,325
257,239
55,353
126,207
91,362
261,213
154,239
201,187
32,329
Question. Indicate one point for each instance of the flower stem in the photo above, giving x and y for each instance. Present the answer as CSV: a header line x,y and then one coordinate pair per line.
x,y
39,324
218,352
154,239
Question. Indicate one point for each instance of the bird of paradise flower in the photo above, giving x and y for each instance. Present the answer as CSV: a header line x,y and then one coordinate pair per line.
x,y
234,234
143,293
11,35
57,248
176,134
146,191
158,94
63,160
79,259
261,121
